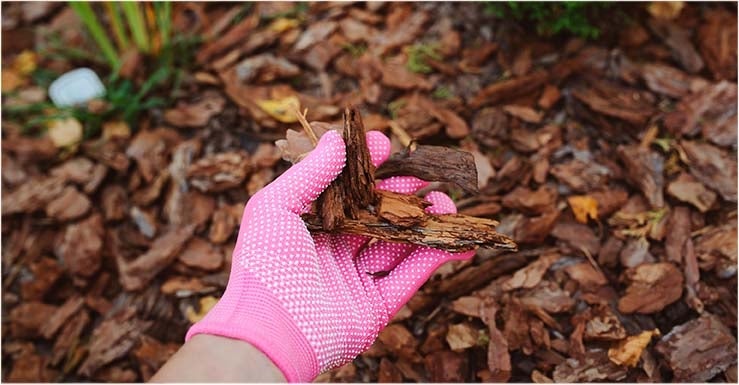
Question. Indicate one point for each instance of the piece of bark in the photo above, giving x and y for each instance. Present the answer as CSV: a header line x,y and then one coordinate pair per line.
x,y
549,297
388,372
712,166
69,336
32,195
81,245
451,232
399,340
578,236
44,274
112,339
604,325
219,172
462,336
635,252
354,188
196,114
688,189
446,366
27,319
531,201
224,221
150,149
433,163
532,274
62,314
151,191
717,39
698,350
594,366
152,354
70,204
200,254
679,225
678,39
507,89
645,168
669,81
29,366
138,273
498,360
114,200
651,287
581,176
710,111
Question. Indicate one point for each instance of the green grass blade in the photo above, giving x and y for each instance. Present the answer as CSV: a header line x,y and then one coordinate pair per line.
x,y
88,17
164,20
136,24
117,25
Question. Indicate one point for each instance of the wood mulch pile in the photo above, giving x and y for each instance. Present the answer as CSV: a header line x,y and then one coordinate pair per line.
x,y
612,163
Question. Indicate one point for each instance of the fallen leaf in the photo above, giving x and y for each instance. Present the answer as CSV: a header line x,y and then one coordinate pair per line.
x,y
532,274
584,207
628,351
281,109
651,287
65,132
206,303
666,10
462,336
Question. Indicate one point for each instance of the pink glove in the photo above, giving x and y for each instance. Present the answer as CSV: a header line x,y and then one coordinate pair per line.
x,y
310,303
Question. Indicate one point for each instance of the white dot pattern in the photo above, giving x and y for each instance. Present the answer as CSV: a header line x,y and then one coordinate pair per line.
x,y
321,283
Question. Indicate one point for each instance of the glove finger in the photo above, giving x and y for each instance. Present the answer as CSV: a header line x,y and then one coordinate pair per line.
x,y
411,273
302,183
379,147
402,184
384,256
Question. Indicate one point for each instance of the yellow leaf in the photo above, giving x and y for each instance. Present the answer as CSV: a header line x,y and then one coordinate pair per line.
x,y
116,129
281,109
628,351
65,132
25,62
666,10
283,24
11,80
583,206
206,303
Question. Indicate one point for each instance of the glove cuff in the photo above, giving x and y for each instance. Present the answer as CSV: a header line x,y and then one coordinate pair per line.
x,y
248,311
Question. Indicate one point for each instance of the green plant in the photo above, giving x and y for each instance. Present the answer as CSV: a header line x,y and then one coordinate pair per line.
x,y
147,40
552,18
443,93
417,56
356,50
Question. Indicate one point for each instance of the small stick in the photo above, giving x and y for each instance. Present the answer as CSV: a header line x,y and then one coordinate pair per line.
x,y
306,126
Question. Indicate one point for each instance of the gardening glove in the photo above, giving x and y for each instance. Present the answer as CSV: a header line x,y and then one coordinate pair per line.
x,y
310,302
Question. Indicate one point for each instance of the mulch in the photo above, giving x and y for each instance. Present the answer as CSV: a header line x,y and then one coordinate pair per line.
x,y
611,162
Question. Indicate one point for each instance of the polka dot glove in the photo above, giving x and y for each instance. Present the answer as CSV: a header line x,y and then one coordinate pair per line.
x,y
312,303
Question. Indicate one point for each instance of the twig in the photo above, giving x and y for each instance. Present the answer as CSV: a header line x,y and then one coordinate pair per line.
x,y
306,126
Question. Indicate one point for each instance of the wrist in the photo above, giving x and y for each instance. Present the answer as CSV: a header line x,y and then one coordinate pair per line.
x,y
248,311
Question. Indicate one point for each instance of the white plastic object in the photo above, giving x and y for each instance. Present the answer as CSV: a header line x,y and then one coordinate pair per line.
x,y
76,87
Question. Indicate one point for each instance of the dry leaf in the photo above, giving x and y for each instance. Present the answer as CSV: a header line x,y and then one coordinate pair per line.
x,y
25,62
584,207
628,351
666,10
65,132
281,109
206,303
